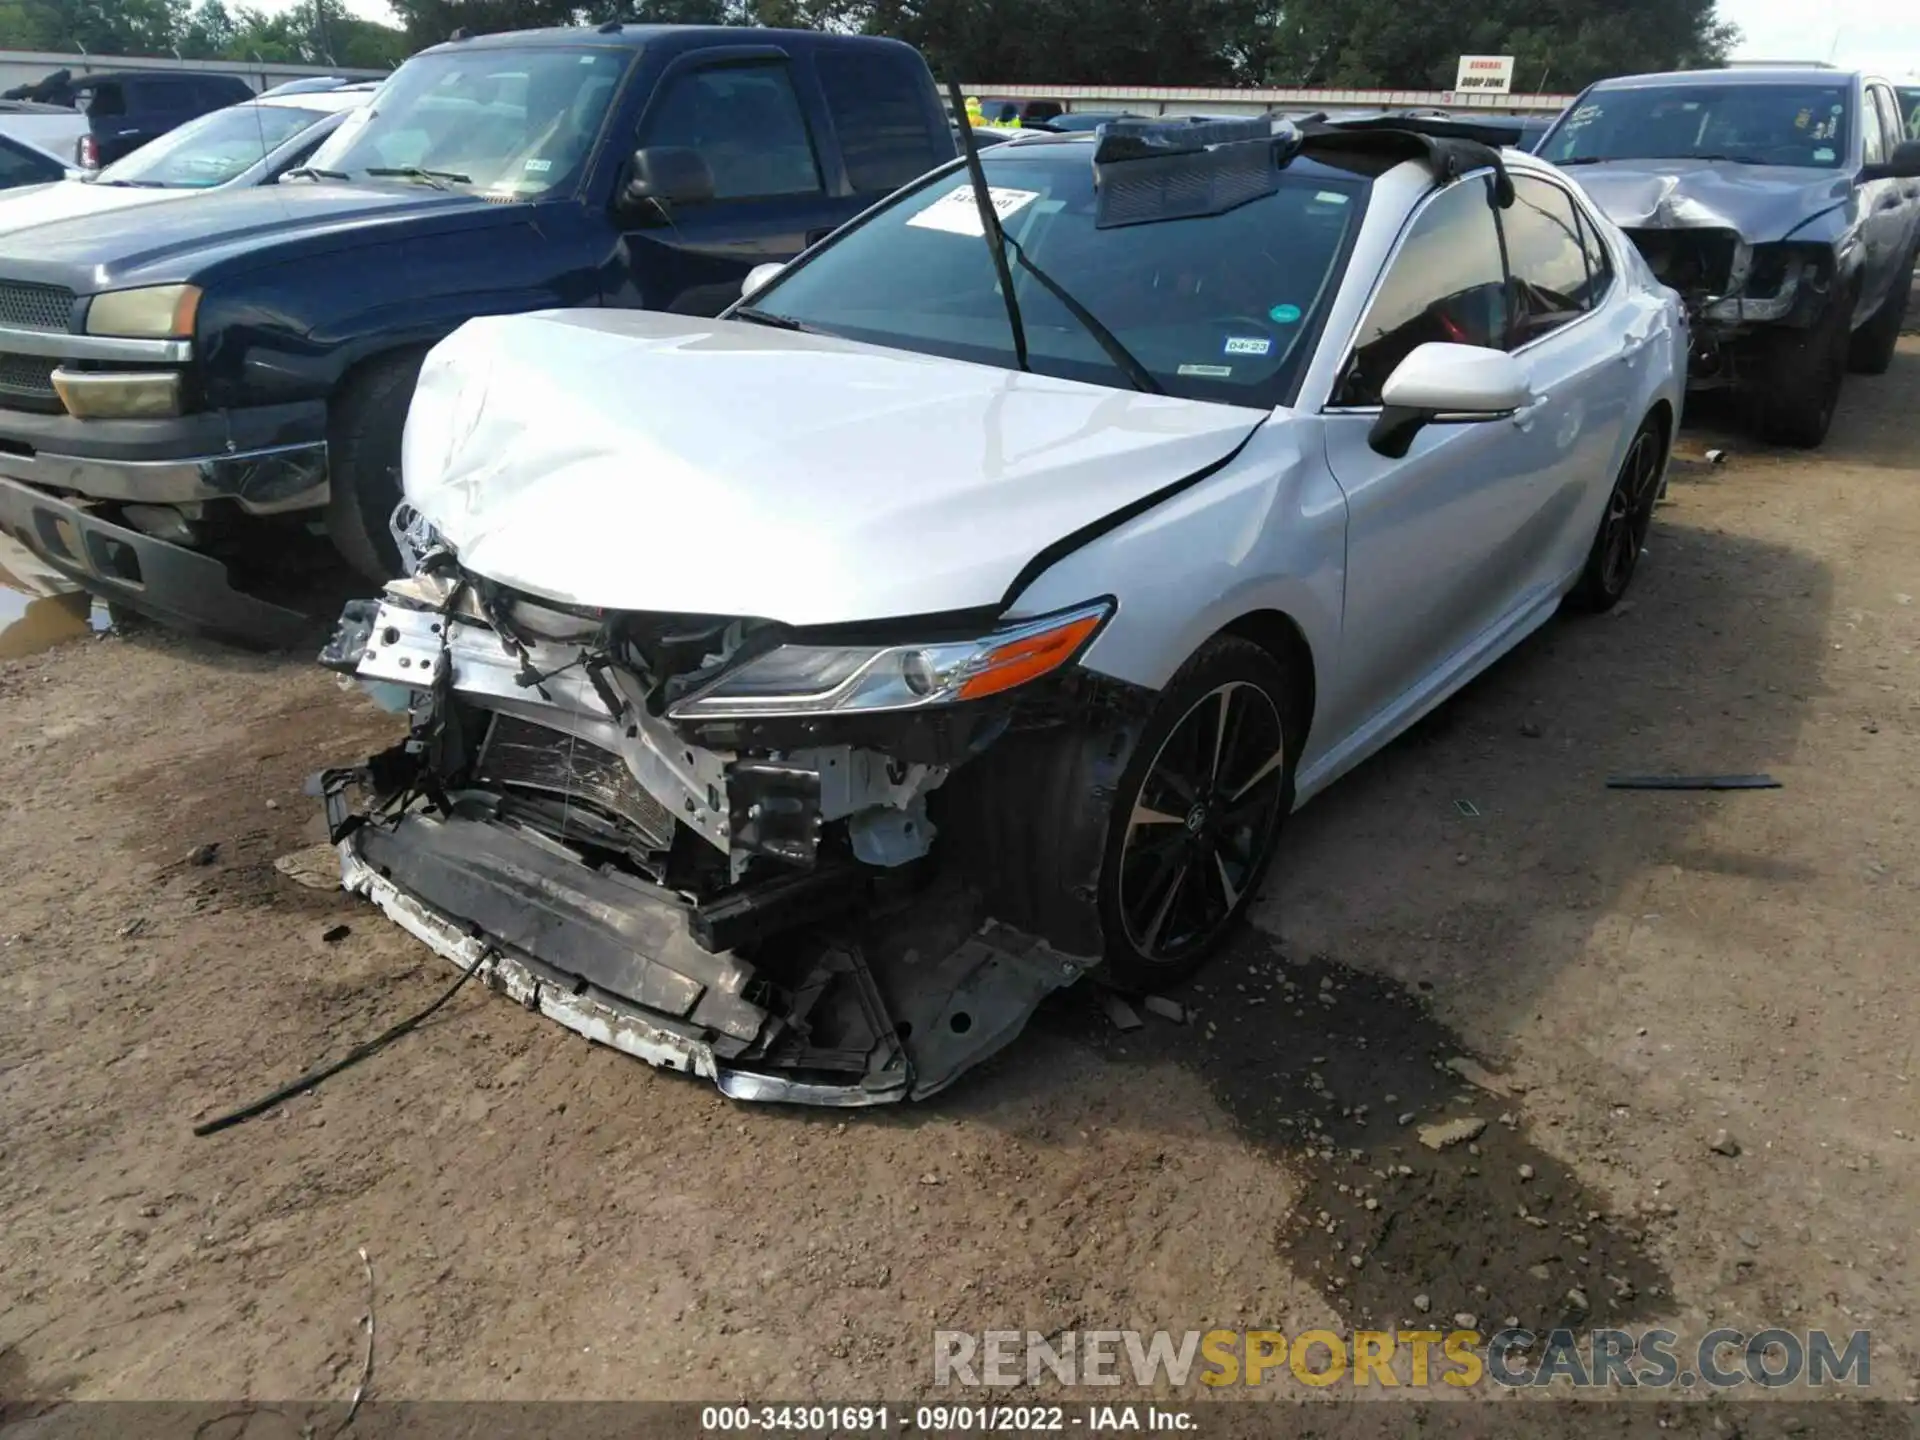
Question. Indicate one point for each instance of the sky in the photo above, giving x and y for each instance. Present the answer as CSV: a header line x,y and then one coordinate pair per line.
x,y
1850,32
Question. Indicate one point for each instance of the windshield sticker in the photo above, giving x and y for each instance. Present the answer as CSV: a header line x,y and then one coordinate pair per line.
x,y
1329,197
957,213
1803,119
1207,372
1823,156
1247,345
537,167
1284,314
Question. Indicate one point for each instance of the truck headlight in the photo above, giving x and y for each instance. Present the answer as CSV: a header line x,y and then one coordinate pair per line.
x,y
100,395
804,679
155,312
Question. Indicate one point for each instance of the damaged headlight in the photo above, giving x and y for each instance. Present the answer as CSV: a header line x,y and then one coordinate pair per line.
x,y
413,537
819,679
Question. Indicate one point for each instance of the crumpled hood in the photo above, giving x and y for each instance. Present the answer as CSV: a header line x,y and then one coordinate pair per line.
x,y
1762,202
640,461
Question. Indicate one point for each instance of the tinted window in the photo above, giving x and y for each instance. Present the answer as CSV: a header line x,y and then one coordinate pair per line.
x,y
1910,106
745,121
1545,257
877,106
1891,120
1873,138
21,166
1220,307
1447,284
1599,262
103,100
1754,123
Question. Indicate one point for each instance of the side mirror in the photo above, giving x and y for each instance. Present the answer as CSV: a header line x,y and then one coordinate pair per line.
x,y
1446,385
759,276
1903,164
662,176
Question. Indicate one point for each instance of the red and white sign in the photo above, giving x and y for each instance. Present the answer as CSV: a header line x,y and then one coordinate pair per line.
x,y
1485,74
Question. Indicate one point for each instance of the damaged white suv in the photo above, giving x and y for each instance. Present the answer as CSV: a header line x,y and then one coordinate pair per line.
x,y
1024,554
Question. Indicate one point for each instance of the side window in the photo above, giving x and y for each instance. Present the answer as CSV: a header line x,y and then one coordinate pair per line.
x,y
105,100
1873,135
1891,120
20,166
1599,262
875,102
746,123
1448,283
1548,261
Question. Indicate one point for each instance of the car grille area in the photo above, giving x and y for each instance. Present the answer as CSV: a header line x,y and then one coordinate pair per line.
x,y
35,307
28,378
561,772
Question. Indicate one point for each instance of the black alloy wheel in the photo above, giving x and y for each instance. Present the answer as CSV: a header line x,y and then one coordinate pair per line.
x,y
1200,821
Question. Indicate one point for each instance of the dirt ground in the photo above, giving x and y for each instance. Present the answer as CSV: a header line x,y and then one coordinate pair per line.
x,y
551,1220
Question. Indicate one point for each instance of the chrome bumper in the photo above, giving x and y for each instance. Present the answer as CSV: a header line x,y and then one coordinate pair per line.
x,y
260,482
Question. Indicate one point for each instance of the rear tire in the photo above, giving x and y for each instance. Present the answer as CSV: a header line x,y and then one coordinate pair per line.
x,y
1871,352
363,461
1800,380
1615,552
1196,817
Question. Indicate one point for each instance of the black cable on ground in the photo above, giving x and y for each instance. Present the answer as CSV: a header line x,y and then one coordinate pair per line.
x,y
352,1057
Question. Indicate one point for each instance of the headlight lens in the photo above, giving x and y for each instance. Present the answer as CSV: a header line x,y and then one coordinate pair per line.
x,y
157,312
826,679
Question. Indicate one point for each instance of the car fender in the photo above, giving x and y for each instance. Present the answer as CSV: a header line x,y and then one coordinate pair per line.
x,y
1265,533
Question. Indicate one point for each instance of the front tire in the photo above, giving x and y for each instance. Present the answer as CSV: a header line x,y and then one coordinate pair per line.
x,y
363,463
1800,381
1196,814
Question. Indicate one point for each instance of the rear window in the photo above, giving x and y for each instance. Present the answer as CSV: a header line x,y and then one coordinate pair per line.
x,y
878,110
99,100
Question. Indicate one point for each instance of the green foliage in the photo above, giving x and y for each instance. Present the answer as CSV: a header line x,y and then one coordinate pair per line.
x,y
1410,44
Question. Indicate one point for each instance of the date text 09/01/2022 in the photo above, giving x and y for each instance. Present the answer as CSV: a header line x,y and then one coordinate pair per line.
x,y
940,1419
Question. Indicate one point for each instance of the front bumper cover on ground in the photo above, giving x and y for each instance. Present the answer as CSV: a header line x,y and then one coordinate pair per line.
x,y
598,953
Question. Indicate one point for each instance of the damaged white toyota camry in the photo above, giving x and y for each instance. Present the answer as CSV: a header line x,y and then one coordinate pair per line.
x,y
1023,554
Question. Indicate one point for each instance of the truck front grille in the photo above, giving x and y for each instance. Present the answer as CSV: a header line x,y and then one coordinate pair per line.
x,y
29,378
35,307
520,755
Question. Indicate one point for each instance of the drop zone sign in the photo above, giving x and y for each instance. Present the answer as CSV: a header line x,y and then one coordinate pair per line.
x,y
1485,74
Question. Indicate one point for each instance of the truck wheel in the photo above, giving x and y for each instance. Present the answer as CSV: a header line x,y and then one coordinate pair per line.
x,y
1800,379
363,462
1875,341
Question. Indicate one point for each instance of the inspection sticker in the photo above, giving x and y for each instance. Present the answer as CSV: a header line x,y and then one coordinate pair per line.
x,y
958,213
1209,372
1248,345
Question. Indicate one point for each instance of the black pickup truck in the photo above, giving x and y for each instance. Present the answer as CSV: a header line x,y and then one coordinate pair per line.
x,y
182,398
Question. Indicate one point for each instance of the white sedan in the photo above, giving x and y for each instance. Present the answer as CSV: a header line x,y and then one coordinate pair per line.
x,y
252,143
1069,563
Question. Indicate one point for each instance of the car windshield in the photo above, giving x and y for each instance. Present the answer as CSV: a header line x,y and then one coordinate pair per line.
x,y
1217,307
1763,123
210,150
515,124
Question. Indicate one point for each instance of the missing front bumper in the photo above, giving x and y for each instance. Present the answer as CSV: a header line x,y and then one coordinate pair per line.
x,y
844,1019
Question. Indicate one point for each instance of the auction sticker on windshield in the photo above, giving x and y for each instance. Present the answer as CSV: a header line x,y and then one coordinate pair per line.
x,y
959,214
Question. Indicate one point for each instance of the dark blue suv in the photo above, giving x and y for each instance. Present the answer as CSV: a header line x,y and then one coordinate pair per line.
x,y
176,397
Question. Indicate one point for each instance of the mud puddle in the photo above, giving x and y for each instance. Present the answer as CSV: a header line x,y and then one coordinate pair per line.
x,y
38,609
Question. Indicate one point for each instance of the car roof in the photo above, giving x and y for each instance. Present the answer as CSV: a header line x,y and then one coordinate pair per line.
x,y
1043,142
1746,75
121,77
617,35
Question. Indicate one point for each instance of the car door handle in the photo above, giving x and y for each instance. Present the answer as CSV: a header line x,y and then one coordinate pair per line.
x,y
1524,417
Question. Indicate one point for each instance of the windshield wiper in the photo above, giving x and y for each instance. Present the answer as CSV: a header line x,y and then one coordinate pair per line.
x,y
135,184
1129,365
314,172
435,178
766,317
990,230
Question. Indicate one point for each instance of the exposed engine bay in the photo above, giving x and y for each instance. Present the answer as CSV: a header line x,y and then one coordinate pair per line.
x,y
1733,288
591,807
